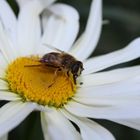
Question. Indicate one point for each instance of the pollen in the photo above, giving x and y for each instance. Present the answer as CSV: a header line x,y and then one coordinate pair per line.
x,y
38,83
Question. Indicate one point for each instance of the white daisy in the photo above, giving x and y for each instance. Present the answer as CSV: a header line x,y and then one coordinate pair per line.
x,y
113,95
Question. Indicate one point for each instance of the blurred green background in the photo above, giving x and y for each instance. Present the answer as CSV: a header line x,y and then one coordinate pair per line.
x,y
123,27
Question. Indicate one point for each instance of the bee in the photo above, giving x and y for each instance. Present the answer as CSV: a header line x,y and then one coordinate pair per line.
x,y
62,61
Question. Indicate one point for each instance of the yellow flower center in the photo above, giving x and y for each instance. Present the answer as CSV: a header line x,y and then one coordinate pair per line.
x,y
42,84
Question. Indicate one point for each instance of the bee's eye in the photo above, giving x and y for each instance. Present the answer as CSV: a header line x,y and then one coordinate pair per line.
x,y
76,68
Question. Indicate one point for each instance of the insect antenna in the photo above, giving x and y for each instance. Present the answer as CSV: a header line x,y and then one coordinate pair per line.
x,y
33,65
53,48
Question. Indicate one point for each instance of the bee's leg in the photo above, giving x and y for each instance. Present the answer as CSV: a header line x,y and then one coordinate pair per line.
x,y
74,78
68,77
54,78
67,74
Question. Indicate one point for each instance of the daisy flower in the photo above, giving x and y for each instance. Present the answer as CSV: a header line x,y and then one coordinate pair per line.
x,y
113,95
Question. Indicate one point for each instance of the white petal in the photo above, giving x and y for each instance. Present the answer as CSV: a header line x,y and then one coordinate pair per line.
x,y
12,114
6,46
111,76
132,51
89,129
43,108
56,127
89,39
111,94
3,85
110,102
120,89
47,2
2,72
44,2
22,2
29,30
8,20
60,28
4,137
9,96
132,122
3,63
122,111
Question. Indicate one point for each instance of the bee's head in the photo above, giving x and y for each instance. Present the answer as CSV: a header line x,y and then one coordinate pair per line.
x,y
77,68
